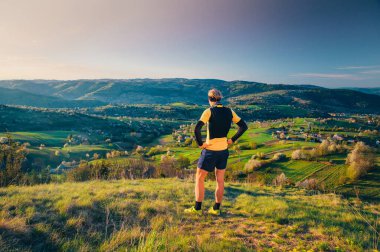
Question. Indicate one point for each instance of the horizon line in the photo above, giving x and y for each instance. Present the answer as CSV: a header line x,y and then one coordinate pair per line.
x,y
183,78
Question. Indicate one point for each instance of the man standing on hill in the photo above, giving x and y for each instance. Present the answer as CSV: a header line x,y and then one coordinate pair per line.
x,y
214,153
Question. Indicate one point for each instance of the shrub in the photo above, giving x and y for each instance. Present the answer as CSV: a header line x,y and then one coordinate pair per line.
x,y
310,184
81,173
260,155
194,144
248,146
112,169
158,149
279,157
188,141
343,179
253,164
245,146
183,162
253,145
297,154
281,180
168,166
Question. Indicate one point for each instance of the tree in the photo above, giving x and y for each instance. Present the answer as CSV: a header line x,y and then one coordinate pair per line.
x,y
360,161
12,156
322,149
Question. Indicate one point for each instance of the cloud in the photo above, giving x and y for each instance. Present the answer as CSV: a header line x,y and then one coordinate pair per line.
x,y
357,67
21,59
377,71
327,76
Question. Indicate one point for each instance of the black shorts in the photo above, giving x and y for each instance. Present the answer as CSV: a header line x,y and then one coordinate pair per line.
x,y
209,160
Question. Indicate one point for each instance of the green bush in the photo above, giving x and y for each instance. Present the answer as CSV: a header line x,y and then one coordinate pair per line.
x,y
248,146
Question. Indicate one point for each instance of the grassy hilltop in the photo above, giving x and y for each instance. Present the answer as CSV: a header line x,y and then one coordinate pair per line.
x,y
146,215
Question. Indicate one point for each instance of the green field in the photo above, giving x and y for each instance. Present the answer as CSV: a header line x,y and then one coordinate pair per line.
x,y
298,170
49,138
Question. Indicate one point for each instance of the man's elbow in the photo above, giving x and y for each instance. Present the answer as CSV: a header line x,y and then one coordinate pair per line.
x,y
245,127
198,127
242,125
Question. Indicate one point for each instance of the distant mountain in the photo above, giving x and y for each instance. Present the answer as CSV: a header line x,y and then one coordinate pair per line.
x,y
375,91
146,91
19,97
194,91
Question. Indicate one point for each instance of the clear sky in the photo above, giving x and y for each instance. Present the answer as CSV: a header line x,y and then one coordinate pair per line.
x,y
331,43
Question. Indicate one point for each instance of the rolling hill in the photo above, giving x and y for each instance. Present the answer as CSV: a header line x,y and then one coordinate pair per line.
x,y
328,100
375,91
193,91
28,119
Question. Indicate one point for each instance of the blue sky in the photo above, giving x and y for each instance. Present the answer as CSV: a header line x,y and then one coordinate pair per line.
x,y
333,43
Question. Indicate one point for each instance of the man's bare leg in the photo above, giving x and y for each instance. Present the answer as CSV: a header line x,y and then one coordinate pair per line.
x,y
200,184
219,175
199,192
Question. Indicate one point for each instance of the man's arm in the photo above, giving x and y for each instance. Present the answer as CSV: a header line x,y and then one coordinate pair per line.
x,y
242,128
197,133
202,121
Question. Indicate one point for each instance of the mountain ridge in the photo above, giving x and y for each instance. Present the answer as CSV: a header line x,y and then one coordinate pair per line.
x,y
171,90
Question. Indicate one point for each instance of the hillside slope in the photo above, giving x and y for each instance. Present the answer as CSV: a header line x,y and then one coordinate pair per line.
x,y
328,100
27,119
146,215
20,97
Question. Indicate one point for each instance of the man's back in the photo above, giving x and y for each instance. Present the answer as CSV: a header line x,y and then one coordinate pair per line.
x,y
218,119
